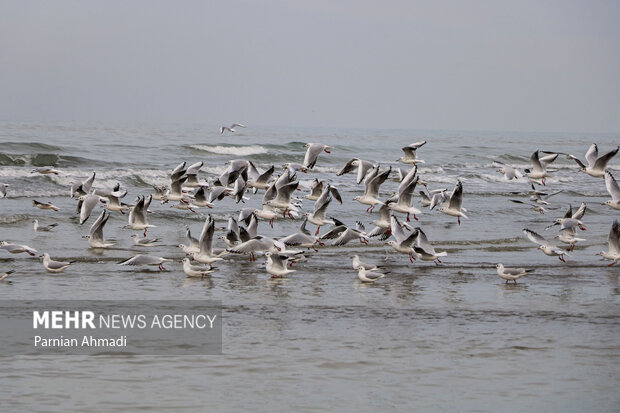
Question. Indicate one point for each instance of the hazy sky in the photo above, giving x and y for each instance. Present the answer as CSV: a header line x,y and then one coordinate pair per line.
x,y
539,65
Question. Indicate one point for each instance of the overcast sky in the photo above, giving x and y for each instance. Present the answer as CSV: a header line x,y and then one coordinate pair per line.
x,y
528,65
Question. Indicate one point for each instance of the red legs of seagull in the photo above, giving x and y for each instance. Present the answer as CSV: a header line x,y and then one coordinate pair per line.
x,y
411,258
271,222
317,230
161,267
561,258
581,227
543,182
612,264
291,216
459,220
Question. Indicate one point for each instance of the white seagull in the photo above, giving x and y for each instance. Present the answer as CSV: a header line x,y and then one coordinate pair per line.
x,y
140,259
545,246
277,265
55,266
614,191
613,240
313,152
455,206
411,156
511,274
596,164
95,236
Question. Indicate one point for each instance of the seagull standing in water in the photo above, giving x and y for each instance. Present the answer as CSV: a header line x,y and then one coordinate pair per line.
x,y
45,228
511,274
55,266
368,276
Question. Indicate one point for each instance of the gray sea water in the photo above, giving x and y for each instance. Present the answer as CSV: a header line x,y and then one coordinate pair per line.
x,y
429,338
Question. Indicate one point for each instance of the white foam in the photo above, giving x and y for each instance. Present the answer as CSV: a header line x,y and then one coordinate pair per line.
x,y
232,150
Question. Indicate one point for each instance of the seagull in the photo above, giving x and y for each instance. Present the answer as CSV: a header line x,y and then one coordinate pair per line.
x,y
571,220
313,152
303,238
44,205
613,240
509,172
435,197
424,249
257,180
137,216
88,204
411,156
45,170
541,197
569,236
3,188
403,200
368,276
17,248
402,242
95,235
200,198
316,189
232,237
192,174
82,188
544,245
114,200
253,246
140,259
318,216
282,201
6,275
535,207
356,263
539,166
46,228
454,207
195,270
55,266
231,128
293,167
382,225
362,168
371,189
143,242
206,255
277,265
349,234
614,191
511,274
596,164
160,192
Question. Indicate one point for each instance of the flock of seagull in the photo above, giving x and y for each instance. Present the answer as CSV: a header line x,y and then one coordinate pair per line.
x,y
186,191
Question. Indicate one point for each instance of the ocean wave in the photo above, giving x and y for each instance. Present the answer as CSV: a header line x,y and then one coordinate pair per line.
x,y
231,150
